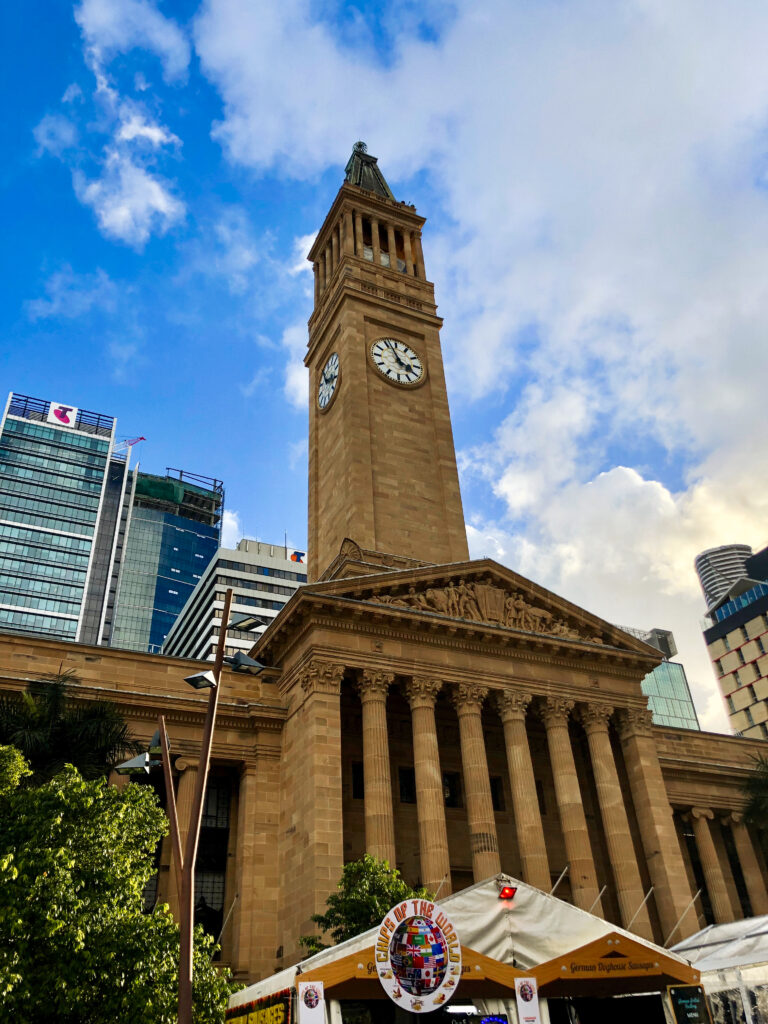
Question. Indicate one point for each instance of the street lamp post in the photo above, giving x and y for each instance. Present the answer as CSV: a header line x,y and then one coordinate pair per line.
x,y
184,859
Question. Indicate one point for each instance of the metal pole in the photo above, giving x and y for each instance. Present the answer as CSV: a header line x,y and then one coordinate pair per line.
x,y
226,919
632,921
187,894
170,800
680,919
597,900
563,873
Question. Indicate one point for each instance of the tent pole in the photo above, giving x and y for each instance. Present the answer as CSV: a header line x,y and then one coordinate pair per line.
x,y
632,921
562,876
680,919
597,900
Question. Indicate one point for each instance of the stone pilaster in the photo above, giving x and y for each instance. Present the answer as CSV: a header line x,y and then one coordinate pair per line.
x,y
750,868
347,229
379,816
311,842
512,705
408,253
710,865
422,692
375,246
419,254
468,700
581,872
335,246
358,233
671,890
316,274
629,888
391,247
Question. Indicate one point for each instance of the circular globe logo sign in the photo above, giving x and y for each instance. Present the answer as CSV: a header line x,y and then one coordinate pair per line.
x,y
418,956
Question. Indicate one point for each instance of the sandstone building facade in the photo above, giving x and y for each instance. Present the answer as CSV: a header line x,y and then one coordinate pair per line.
x,y
446,714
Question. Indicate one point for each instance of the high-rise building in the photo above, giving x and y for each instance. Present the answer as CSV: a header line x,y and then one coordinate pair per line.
x,y
263,578
736,635
173,532
62,492
666,687
719,568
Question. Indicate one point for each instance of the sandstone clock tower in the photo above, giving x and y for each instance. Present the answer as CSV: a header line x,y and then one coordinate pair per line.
x,y
382,466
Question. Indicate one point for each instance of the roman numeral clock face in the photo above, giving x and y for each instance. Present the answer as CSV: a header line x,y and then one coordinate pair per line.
x,y
329,379
397,361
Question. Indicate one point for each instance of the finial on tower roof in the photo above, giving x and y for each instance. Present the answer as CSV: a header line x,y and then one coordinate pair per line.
x,y
362,170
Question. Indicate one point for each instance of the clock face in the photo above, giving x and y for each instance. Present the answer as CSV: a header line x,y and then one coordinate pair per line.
x,y
329,379
397,361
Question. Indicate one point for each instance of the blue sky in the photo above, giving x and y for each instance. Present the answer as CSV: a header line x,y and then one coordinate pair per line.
x,y
594,178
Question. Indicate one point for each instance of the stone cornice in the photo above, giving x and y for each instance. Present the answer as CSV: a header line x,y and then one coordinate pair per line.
x,y
351,197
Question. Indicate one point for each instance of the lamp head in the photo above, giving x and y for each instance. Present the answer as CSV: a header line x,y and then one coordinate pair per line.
x,y
247,623
201,680
240,662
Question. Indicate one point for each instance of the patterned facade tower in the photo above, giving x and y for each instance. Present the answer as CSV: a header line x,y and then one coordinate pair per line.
x,y
750,868
671,890
621,852
468,700
422,692
379,817
554,712
710,865
512,705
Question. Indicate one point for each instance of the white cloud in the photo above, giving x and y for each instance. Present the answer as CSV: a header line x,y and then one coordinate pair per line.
x,y
133,126
602,267
124,356
296,388
55,134
301,246
231,528
69,295
130,203
118,26
72,93
297,453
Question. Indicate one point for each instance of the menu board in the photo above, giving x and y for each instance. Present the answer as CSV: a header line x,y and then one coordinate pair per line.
x,y
689,1004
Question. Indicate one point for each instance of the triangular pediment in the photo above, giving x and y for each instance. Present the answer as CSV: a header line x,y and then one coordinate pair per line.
x,y
482,592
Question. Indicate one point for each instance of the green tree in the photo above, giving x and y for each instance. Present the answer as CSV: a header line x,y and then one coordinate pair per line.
x,y
75,944
367,889
756,792
52,729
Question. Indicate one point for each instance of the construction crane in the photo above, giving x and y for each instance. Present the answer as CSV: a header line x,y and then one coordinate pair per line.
x,y
122,446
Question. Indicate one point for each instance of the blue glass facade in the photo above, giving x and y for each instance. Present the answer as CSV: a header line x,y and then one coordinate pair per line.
x,y
164,557
51,483
669,696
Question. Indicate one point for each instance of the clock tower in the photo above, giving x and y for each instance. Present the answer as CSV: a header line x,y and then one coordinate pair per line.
x,y
382,466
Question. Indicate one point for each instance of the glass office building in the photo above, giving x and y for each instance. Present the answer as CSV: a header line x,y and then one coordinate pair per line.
x,y
61,489
667,689
173,532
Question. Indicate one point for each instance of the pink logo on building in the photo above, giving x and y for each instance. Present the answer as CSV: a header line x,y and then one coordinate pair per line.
x,y
65,415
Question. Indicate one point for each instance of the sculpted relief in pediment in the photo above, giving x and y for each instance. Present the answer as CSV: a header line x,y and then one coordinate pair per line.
x,y
486,602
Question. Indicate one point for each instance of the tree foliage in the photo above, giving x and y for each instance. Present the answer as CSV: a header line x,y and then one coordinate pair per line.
x,y
756,791
367,889
75,944
51,729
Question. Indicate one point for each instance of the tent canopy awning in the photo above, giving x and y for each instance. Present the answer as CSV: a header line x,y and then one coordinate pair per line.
x,y
613,964
355,976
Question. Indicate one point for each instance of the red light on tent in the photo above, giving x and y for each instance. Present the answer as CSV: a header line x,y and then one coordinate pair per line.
x,y
507,892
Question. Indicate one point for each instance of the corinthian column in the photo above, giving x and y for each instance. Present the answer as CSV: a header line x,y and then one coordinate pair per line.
x,y
710,865
512,705
379,816
671,891
618,839
422,693
468,700
750,869
555,712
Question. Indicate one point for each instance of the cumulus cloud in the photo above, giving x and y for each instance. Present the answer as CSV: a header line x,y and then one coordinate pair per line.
x,y
129,201
69,295
118,26
296,388
231,528
55,134
602,268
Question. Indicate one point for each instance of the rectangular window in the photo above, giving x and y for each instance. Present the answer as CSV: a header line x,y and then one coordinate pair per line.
x,y
719,667
407,778
742,659
760,644
497,793
452,789
731,705
358,781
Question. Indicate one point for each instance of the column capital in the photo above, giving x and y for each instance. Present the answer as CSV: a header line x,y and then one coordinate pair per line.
x,y
319,676
512,704
634,722
422,691
595,717
374,684
701,812
733,818
183,764
555,711
468,697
